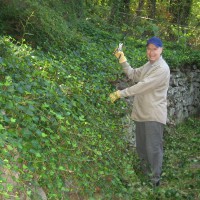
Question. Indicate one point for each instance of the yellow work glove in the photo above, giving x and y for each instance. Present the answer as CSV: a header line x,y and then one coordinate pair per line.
x,y
114,96
119,54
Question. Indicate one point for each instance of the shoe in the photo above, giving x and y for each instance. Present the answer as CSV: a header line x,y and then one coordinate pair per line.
x,y
157,184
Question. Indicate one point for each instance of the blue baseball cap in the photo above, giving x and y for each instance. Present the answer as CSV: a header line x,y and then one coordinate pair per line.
x,y
156,41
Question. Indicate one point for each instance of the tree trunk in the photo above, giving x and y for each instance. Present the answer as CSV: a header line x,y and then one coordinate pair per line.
x,y
140,7
180,11
151,9
120,10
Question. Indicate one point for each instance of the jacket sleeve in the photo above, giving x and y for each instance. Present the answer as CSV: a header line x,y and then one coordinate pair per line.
x,y
153,80
133,74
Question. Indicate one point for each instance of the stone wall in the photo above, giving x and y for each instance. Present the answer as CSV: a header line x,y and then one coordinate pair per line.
x,y
183,95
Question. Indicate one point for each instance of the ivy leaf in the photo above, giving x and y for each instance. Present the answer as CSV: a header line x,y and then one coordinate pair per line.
x,y
82,118
1,127
44,135
13,120
61,168
10,148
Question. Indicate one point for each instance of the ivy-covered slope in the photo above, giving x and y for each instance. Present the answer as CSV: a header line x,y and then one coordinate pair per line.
x,y
56,121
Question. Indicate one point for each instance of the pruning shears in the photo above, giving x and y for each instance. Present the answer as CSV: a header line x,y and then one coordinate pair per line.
x,y
121,44
119,48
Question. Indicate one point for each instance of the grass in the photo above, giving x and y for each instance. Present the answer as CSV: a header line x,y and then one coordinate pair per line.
x,y
181,167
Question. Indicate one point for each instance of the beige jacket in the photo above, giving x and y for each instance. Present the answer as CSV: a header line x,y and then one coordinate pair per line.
x,y
150,90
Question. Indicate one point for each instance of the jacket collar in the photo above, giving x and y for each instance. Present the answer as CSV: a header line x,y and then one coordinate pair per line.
x,y
156,62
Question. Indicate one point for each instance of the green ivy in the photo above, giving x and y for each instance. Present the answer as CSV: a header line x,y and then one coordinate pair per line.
x,y
57,119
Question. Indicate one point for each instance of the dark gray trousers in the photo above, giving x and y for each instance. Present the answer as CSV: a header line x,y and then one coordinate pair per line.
x,y
149,146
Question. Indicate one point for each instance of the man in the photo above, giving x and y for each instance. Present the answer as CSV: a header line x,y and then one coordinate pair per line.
x,y
149,107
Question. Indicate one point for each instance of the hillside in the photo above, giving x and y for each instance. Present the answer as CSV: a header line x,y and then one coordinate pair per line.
x,y
59,131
